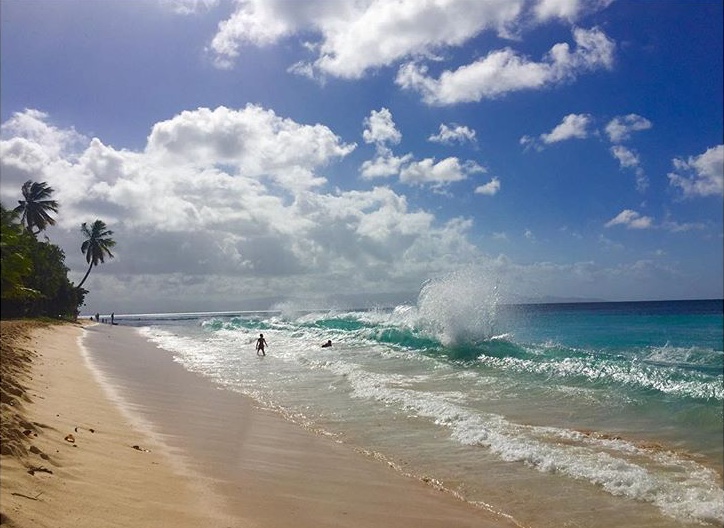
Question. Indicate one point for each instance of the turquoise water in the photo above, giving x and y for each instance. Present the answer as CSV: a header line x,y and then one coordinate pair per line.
x,y
588,414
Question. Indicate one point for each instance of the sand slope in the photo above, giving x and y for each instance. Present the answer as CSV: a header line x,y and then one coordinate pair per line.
x,y
68,456
113,433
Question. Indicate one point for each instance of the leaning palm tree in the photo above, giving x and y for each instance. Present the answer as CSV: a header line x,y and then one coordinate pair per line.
x,y
36,206
97,245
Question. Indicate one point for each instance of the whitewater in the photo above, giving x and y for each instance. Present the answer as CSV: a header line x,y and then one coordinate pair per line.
x,y
580,414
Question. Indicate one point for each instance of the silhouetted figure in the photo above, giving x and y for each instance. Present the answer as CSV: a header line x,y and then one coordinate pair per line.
x,y
327,344
260,345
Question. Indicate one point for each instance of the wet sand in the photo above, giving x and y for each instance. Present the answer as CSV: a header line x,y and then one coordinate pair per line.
x,y
154,445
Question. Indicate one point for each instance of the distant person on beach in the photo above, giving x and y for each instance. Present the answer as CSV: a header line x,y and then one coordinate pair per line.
x,y
97,316
327,344
113,317
260,345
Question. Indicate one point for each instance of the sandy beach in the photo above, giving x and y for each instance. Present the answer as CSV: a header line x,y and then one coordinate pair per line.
x,y
139,441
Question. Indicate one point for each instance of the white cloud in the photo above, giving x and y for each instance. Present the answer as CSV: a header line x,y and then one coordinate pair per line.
x,y
389,31
626,157
351,38
253,140
701,175
380,129
205,209
489,189
32,125
620,128
428,171
642,181
573,126
256,23
354,37
383,165
629,159
189,7
453,134
567,9
576,126
630,219
500,72
504,71
34,149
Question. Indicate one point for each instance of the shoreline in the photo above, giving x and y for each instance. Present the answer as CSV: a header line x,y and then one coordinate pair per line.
x,y
169,448
81,467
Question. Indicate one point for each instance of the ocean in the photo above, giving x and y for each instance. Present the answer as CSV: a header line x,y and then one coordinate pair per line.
x,y
581,414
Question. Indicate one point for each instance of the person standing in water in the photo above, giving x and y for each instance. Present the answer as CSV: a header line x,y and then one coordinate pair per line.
x,y
260,345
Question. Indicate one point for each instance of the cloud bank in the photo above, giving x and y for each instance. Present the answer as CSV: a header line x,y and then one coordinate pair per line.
x,y
224,200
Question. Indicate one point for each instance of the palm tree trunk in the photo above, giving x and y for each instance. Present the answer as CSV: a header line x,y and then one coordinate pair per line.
x,y
86,276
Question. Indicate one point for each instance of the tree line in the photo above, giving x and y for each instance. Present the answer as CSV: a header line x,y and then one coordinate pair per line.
x,y
34,275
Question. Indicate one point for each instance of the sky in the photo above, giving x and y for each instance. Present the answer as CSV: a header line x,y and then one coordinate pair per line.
x,y
250,154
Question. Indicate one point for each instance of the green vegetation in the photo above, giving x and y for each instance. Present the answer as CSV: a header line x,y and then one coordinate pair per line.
x,y
97,244
34,276
36,206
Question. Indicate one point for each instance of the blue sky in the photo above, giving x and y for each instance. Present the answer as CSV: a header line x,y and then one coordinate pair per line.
x,y
246,152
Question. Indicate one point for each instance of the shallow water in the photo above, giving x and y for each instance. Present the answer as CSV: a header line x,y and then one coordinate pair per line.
x,y
602,414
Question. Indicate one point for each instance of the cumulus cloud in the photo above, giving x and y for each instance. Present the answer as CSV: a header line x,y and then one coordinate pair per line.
x,y
619,129
569,10
701,175
354,37
384,164
256,23
32,127
351,38
489,189
189,7
380,129
630,219
629,159
573,126
548,9
453,134
253,140
229,203
505,71
625,156
424,172
428,171
33,149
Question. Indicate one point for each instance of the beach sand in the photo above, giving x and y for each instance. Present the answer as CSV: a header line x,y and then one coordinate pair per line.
x,y
112,432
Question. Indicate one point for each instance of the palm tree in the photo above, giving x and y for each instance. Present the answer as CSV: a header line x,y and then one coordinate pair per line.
x,y
36,205
97,245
